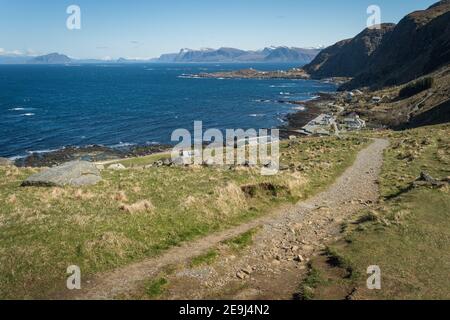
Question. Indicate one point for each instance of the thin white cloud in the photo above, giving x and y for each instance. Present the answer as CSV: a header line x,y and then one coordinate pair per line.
x,y
31,52
4,52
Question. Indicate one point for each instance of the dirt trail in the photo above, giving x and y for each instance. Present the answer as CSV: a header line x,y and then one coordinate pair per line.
x,y
269,269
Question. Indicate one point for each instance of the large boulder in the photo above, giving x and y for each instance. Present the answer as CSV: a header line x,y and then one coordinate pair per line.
x,y
4,162
75,173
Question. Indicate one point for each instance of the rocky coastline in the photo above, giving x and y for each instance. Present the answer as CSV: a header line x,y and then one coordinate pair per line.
x,y
308,110
91,153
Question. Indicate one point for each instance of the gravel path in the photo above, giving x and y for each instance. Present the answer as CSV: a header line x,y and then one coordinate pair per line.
x,y
273,266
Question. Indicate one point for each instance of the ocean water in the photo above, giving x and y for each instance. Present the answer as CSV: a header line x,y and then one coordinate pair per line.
x,y
45,108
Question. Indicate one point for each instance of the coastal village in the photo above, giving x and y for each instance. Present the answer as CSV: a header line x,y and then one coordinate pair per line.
x,y
338,118
334,122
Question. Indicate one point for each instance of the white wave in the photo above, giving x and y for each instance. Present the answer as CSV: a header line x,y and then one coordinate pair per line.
x,y
43,151
16,158
122,144
283,86
20,109
27,115
256,115
188,76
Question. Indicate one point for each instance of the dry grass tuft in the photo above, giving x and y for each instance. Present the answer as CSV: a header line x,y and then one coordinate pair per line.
x,y
12,171
120,196
80,220
12,199
295,182
190,202
140,206
230,198
108,241
81,195
57,193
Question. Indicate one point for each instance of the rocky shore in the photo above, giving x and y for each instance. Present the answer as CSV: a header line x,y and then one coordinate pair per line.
x,y
92,153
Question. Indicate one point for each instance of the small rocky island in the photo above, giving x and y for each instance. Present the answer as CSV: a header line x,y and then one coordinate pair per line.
x,y
251,73
291,74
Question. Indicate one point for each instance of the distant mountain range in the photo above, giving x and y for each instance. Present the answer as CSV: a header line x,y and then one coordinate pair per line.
x,y
222,55
270,54
391,55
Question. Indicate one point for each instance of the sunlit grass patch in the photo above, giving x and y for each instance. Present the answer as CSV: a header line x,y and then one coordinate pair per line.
x,y
155,288
406,235
241,241
205,259
138,213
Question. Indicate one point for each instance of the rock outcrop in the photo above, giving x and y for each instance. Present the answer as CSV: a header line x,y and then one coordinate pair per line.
x,y
392,55
75,173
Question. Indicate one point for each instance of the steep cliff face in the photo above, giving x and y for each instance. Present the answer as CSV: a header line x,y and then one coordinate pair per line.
x,y
285,54
418,45
348,57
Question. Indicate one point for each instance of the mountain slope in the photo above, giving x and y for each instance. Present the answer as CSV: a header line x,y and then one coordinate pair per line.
x,y
285,54
348,57
418,45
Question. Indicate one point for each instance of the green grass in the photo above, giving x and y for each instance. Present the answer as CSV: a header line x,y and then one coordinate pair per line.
x,y
44,230
242,241
155,288
143,161
407,234
313,279
205,259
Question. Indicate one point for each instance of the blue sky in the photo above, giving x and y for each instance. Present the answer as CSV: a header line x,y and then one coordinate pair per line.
x,y
147,28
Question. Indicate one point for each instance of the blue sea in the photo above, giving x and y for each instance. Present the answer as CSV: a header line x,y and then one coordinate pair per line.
x,y
45,108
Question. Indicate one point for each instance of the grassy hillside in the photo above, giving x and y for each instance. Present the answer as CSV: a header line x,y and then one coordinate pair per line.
x,y
138,213
407,234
